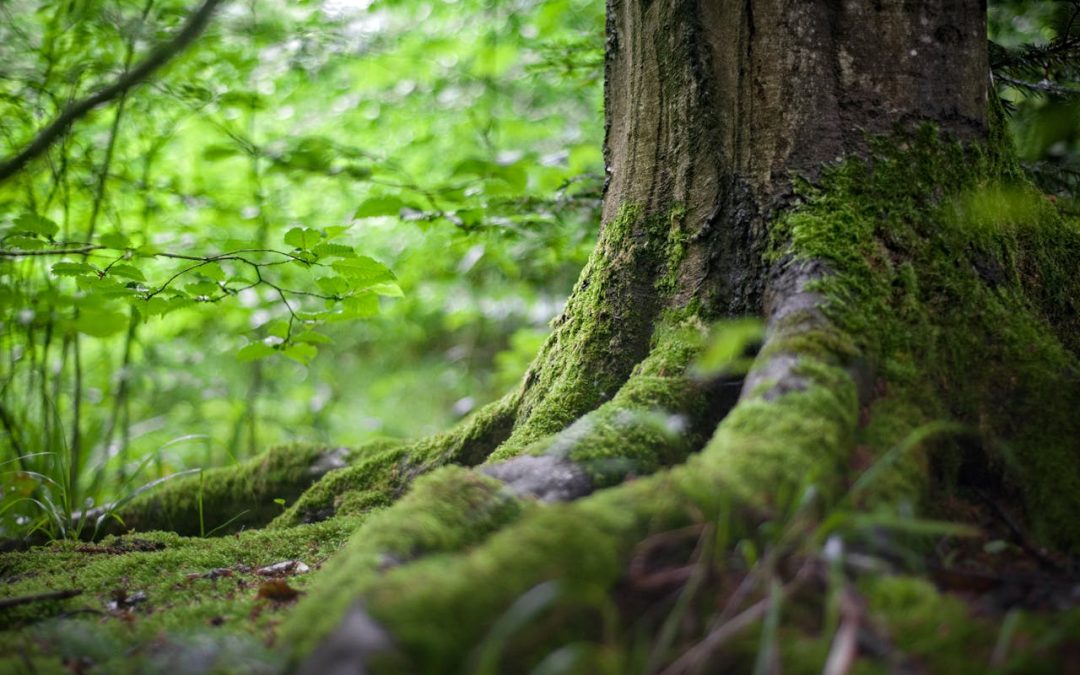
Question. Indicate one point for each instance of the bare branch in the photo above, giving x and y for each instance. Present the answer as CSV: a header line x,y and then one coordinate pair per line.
x,y
161,55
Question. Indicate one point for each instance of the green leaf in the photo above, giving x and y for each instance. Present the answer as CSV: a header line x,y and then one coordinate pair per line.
x,y
302,237
31,222
379,206
95,287
255,350
25,243
333,285
220,151
327,250
388,289
335,231
474,166
148,250
72,269
202,288
363,271
311,153
114,240
212,271
302,353
314,338
363,306
731,346
100,322
127,272
159,306
278,328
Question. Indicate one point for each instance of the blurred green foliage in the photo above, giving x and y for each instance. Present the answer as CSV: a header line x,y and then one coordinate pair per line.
x,y
1035,56
325,221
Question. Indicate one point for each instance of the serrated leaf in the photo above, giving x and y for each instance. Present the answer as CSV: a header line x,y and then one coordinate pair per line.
x,y
387,289
333,285
302,353
95,287
302,237
202,288
127,272
31,222
114,240
72,269
327,250
159,306
100,322
362,271
379,206
362,306
254,350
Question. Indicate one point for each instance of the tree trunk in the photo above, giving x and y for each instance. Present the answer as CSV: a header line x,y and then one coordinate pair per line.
x,y
837,168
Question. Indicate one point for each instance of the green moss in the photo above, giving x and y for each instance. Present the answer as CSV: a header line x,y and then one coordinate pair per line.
x,y
769,451
656,419
224,499
941,632
380,476
675,240
607,326
446,511
185,612
958,281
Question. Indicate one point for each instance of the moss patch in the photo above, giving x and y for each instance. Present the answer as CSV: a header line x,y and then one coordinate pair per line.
x,y
225,499
178,598
658,417
381,475
956,278
606,327
446,511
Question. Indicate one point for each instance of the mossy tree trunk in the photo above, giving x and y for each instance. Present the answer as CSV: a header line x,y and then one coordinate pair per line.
x,y
895,290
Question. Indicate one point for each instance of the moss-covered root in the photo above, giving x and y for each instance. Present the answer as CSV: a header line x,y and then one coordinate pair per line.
x,y
656,419
379,477
447,614
225,499
607,325
446,511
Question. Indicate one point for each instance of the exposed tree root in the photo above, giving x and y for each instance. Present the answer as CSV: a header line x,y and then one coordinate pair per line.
x,y
770,445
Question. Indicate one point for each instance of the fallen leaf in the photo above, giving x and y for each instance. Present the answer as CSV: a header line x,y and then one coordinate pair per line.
x,y
277,590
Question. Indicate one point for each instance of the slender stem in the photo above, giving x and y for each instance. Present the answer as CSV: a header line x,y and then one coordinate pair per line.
x,y
75,447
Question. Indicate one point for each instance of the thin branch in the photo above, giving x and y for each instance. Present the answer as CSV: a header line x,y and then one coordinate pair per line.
x,y
7,253
164,53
